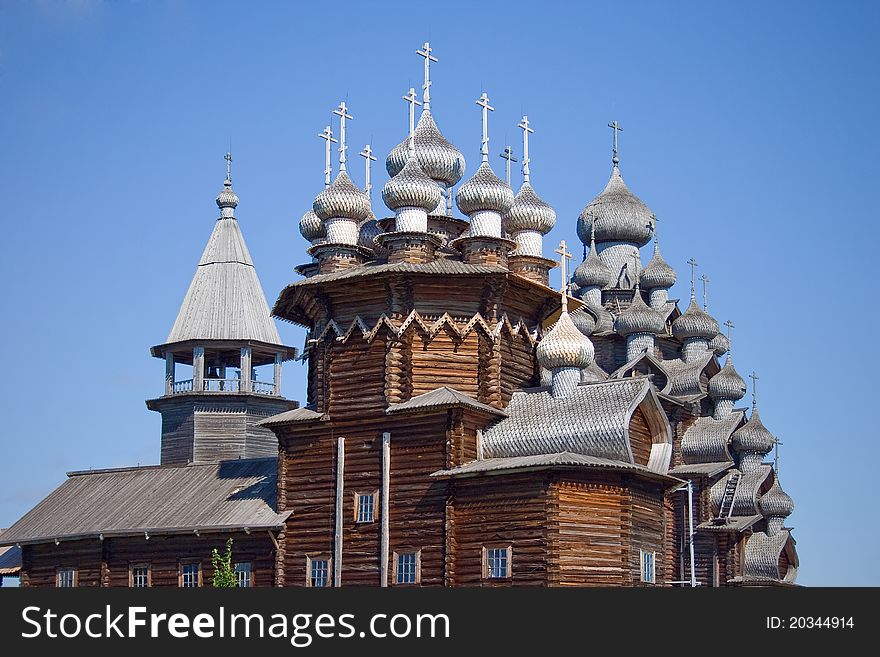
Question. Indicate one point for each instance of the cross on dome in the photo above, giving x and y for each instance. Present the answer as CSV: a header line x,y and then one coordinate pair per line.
x,y
484,103
524,126
615,126
228,158
693,263
368,156
564,257
776,444
411,99
754,377
342,113
426,53
327,136
729,325
507,154
706,281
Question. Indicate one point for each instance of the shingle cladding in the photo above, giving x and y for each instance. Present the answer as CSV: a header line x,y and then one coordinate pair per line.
x,y
707,439
593,420
155,499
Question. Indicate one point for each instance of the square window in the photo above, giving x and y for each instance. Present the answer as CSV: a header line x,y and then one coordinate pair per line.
x,y
66,578
407,567
139,576
647,559
317,571
243,575
190,575
496,562
365,508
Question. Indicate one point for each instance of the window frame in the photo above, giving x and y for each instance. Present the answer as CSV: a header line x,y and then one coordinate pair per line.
x,y
64,569
250,574
642,555
509,563
189,562
319,557
396,561
357,498
140,564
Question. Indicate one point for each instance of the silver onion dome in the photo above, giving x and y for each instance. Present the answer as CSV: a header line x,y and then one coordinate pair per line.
x,y
484,191
694,323
657,273
583,320
619,215
776,502
727,383
565,346
720,344
639,318
411,187
311,228
342,200
439,159
592,272
227,198
753,436
529,212
367,233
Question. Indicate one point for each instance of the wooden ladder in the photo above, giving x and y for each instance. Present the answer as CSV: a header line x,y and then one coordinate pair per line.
x,y
729,496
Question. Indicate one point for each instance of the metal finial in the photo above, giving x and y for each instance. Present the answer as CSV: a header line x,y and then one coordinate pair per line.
x,y
693,263
754,377
327,136
653,227
484,103
524,125
706,281
342,113
411,99
426,53
615,126
564,257
228,158
592,235
776,444
637,264
368,156
507,154
729,325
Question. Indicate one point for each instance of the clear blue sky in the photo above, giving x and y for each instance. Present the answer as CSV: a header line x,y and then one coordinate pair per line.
x,y
749,128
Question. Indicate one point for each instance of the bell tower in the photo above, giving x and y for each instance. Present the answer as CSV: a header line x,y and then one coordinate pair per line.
x,y
223,355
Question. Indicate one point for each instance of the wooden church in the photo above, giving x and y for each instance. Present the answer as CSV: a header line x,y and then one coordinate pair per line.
x,y
465,425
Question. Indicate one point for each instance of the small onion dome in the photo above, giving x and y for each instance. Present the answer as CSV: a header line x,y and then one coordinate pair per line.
x,y
342,200
565,346
368,231
227,198
311,227
657,273
727,384
583,320
776,502
411,188
639,318
694,323
618,213
592,272
529,212
439,159
720,344
484,191
753,436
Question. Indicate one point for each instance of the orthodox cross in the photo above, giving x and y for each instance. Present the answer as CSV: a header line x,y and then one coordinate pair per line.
x,y
693,263
729,326
342,113
411,99
524,125
426,53
776,444
636,263
228,158
652,226
507,154
705,280
615,126
327,136
754,377
484,103
368,156
564,257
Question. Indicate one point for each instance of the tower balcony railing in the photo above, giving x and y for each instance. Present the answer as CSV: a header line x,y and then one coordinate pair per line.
x,y
223,385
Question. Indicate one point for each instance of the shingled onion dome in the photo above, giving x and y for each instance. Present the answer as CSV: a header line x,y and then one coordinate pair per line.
x,y
694,328
726,388
751,441
439,159
592,275
342,207
311,228
368,231
227,200
720,344
775,505
412,195
658,276
639,323
565,351
584,321
484,198
528,220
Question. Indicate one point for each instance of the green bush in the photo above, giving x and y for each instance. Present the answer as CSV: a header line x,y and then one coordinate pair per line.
x,y
224,573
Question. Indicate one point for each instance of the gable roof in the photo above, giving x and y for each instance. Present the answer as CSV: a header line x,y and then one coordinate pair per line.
x,y
295,415
10,559
224,496
442,397
225,300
